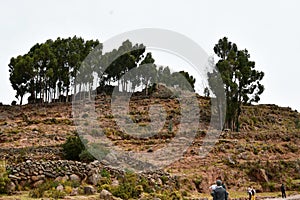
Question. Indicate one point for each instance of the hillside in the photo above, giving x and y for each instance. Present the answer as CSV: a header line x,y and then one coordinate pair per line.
x,y
264,153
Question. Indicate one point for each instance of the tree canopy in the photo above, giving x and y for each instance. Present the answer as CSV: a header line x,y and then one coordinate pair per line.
x,y
49,69
240,78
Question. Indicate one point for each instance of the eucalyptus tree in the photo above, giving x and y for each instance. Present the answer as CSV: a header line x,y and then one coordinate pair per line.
x,y
242,82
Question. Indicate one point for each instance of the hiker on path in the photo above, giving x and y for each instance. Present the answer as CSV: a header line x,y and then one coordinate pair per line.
x,y
213,187
249,191
219,193
282,188
253,192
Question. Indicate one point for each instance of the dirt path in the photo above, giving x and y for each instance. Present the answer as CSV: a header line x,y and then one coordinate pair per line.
x,y
296,197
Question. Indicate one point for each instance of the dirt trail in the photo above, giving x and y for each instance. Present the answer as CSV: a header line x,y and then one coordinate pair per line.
x,y
296,197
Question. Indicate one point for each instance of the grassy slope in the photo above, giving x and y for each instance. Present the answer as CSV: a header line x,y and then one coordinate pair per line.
x,y
268,140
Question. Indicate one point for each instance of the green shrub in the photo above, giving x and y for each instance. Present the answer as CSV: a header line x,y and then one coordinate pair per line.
x,y
269,186
73,147
56,194
297,123
4,180
105,173
36,193
128,187
41,189
164,179
86,156
72,183
175,195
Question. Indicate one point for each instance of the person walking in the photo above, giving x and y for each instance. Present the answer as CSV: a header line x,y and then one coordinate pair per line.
x,y
219,193
253,192
282,188
249,191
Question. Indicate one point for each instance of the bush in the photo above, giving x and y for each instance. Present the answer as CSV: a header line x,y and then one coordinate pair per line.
x,y
86,156
4,180
56,194
73,147
129,187
39,192
269,186
105,173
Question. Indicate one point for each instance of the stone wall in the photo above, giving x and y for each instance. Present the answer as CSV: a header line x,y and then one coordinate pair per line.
x,y
35,172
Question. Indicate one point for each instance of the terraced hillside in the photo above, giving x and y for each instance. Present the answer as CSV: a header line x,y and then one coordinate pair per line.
x,y
264,153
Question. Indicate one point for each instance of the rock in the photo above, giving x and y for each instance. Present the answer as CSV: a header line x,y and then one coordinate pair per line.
x,y
38,183
36,178
106,195
263,176
74,192
159,182
93,179
10,187
49,174
89,190
60,188
61,178
115,183
14,177
74,177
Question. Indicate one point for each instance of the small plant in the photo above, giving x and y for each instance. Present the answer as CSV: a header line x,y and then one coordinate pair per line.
x,y
86,156
68,189
297,123
73,147
57,194
85,115
164,179
269,186
129,187
72,184
197,181
4,180
105,173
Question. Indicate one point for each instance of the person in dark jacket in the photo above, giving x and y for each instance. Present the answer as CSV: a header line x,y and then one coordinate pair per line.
x,y
249,191
219,193
283,195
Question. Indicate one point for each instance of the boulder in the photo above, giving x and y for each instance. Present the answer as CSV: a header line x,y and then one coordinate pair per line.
x,y
89,190
106,195
60,188
38,183
74,177
74,192
93,179
62,178
10,187
260,175
115,183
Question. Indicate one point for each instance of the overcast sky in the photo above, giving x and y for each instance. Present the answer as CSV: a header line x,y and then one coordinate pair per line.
x,y
269,30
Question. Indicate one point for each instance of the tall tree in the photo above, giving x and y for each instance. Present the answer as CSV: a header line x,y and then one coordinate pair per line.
x,y
21,73
148,71
241,80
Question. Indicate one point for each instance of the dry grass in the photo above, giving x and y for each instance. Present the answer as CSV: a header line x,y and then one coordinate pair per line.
x,y
240,194
24,196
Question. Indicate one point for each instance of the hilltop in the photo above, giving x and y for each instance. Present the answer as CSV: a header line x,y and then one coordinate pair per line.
x,y
264,153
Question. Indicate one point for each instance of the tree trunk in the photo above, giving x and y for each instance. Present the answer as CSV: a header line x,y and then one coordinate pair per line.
x,y
21,100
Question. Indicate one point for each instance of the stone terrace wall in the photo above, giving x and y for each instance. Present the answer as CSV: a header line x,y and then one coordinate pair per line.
x,y
35,172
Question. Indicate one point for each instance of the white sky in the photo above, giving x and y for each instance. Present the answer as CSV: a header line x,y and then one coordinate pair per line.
x,y
269,29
